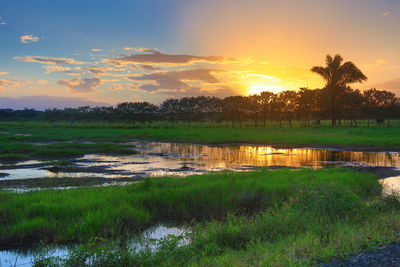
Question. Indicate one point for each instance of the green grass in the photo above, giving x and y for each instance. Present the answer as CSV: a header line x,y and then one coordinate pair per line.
x,y
374,137
10,151
279,217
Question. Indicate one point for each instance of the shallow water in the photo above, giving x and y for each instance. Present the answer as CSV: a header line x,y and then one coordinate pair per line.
x,y
146,240
160,159
177,159
391,185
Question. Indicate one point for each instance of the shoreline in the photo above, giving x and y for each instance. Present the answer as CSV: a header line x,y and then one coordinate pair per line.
x,y
350,148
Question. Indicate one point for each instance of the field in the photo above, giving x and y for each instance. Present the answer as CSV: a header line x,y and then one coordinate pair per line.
x,y
268,217
15,135
263,217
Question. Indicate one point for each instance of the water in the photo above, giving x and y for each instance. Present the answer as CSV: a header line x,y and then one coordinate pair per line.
x,y
158,159
146,240
176,159
391,185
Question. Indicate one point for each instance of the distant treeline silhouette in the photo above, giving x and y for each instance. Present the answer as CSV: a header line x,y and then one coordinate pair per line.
x,y
308,105
336,101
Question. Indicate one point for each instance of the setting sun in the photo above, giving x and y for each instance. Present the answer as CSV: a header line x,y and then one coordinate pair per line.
x,y
256,88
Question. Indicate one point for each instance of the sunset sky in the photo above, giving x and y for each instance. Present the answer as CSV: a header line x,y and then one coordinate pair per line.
x,y
75,52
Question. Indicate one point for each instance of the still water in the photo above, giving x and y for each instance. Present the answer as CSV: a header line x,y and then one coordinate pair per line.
x,y
160,159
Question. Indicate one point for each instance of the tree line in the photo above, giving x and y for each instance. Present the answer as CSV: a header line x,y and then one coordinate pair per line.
x,y
337,101
307,105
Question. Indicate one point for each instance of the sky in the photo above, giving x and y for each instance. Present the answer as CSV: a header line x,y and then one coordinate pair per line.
x,y
98,52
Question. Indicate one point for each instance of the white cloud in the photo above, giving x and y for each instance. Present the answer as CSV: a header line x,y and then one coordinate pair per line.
x,y
28,38
96,50
2,21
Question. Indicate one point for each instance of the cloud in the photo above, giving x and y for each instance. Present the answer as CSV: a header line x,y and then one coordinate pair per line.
x,y
155,57
50,60
4,83
42,82
28,38
392,85
144,67
102,71
96,50
3,73
2,21
174,80
73,73
55,68
141,49
378,63
78,85
385,14
117,87
47,102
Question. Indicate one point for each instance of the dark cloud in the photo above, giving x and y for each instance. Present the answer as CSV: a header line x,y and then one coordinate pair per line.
x,y
155,57
78,85
141,49
144,67
174,80
102,71
97,71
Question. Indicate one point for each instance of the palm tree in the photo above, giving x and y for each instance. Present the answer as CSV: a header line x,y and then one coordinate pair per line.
x,y
337,77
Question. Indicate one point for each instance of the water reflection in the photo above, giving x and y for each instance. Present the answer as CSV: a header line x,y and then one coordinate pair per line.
x,y
177,159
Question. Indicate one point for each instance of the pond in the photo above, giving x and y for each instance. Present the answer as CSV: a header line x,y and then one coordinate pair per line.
x,y
158,159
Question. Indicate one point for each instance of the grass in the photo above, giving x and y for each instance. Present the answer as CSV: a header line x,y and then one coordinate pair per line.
x,y
266,217
60,182
374,137
10,151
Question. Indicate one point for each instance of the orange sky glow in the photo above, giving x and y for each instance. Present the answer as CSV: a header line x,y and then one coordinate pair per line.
x,y
188,48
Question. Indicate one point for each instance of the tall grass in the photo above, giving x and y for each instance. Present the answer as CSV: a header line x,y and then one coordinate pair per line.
x,y
79,214
265,218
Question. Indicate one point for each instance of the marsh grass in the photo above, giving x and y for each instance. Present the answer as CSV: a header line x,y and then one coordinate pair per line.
x,y
268,218
11,151
79,214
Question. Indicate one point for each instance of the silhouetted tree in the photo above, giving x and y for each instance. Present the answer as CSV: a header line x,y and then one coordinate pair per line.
x,y
337,77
